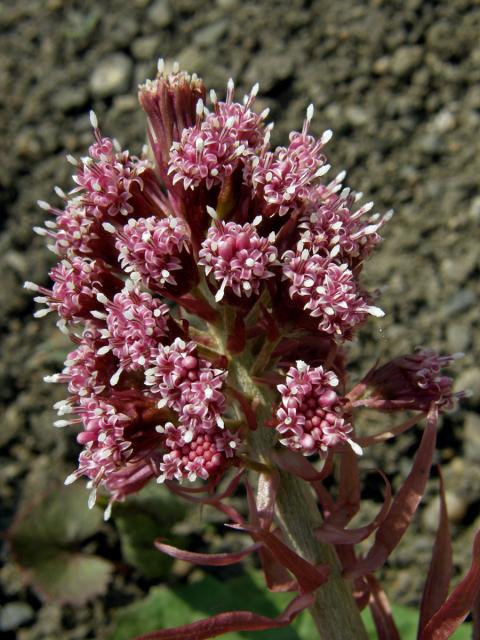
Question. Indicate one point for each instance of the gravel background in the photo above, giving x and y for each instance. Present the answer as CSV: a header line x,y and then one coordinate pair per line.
x,y
398,82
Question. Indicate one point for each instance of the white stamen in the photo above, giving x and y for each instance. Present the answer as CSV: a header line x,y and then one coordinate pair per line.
x,y
41,313
60,424
116,377
51,379
322,171
109,227
376,311
108,512
326,136
31,286
103,350
93,119
212,213
99,315
356,448
92,498
221,292
102,298
43,205
70,479
199,108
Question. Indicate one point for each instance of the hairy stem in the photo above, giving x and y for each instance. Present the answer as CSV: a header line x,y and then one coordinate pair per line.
x,y
335,612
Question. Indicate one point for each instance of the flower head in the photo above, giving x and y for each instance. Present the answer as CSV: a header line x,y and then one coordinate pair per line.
x,y
310,417
219,142
332,227
237,257
76,284
152,249
414,381
147,252
135,323
284,177
327,291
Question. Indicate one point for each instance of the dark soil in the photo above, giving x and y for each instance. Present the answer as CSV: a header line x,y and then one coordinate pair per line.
x,y
397,81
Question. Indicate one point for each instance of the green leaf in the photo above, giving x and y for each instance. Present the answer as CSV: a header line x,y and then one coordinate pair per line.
x,y
140,520
71,578
46,541
59,520
165,607
173,607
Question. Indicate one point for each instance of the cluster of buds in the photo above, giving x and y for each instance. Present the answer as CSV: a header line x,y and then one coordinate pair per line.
x,y
211,275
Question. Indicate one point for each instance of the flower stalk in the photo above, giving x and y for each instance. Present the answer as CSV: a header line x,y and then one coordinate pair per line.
x,y
334,609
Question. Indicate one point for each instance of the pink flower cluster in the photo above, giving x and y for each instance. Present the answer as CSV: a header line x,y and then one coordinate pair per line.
x,y
152,249
414,381
237,257
310,418
198,443
220,141
222,247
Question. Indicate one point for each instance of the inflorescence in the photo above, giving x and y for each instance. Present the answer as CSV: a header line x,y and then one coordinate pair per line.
x,y
215,246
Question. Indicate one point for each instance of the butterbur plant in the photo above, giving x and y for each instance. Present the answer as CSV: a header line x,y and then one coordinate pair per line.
x,y
210,289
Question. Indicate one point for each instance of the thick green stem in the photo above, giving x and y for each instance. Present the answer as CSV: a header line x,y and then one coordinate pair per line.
x,y
335,612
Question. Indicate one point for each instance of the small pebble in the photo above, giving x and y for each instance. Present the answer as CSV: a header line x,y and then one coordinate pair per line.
x,y
112,76
14,615
160,14
405,59
471,436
